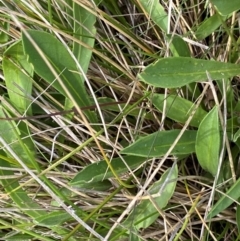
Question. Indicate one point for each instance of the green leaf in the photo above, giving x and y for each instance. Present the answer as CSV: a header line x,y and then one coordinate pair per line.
x,y
208,142
85,31
208,26
158,143
226,7
19,196
178,46
226,200
18,75
146,213
62,62
54,218
236,135
177,72
99,171
159,16
4,25
16,139
238,217
156,12
178,109
18,237
97,186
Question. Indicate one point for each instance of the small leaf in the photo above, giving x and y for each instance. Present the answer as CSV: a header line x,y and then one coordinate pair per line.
x,y
179,71
18,72
156,12
52,219
208,26
178,109
226,200
19,195
178,46
146,213
99,171
208,142
159,16
158,143
236,135
4,33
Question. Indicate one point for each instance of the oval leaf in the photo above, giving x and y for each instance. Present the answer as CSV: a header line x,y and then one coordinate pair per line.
x,y
62,62
178,109
208,26
208,142
18,72
179,71
158,143
99,171
146,213
52,219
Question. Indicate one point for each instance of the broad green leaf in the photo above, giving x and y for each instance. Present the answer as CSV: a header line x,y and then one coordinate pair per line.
x,y
12,135
208,142
17,237
226,7
54,218
146,213
208,26
133,236
156,12
178,109
179,71
97,186
178,46
99,171
19,196
226,200
18,73
63,64
158,143
158,15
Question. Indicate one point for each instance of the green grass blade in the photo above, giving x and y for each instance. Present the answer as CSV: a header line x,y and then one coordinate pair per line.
x,y
226,200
